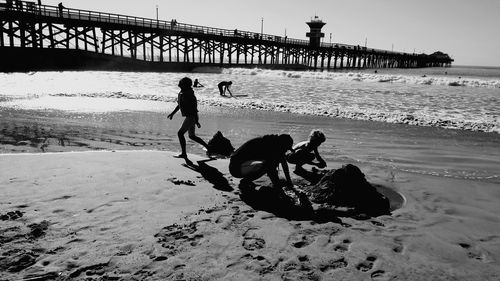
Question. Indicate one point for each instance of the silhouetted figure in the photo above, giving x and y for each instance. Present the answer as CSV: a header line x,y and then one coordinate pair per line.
x,y
61,8
224,86
187,103
8,4
39,6
262,155
197,84
19,5
306,152
30,6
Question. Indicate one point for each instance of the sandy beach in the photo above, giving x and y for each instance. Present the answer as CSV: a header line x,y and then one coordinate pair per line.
x,y
144,215
89,190
396,102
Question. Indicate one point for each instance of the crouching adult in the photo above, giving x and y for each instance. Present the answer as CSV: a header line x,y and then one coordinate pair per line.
x,y
262,155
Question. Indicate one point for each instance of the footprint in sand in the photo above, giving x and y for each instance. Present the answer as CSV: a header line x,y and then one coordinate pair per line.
x,y
251,241
367,264
222,218
237,217
343,246
301,244
19,261
95,269
333,264
13,215
251,244
259,264
380,275
301,270
399,245
473,252
38,230
303,238
175,236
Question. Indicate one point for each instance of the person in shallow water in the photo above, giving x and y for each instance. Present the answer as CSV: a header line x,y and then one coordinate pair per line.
x,y
306,152
197,84
187,103
262,155
224,86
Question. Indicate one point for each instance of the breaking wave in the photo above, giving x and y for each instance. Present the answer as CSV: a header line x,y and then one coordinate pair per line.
x,y
418,118
370,77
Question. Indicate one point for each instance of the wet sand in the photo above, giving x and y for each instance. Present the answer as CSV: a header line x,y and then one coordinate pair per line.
x,y
143,215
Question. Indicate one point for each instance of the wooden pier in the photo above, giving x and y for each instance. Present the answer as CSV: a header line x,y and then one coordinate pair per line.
x,y
32,29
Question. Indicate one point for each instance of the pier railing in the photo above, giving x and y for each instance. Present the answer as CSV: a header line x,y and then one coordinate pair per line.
x,y
27,24
28,7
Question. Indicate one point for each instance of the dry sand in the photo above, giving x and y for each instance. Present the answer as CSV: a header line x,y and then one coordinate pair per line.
x,y
143,215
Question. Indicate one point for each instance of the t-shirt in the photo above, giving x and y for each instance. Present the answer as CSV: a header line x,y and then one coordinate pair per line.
x,y
266,148
187,103
223,83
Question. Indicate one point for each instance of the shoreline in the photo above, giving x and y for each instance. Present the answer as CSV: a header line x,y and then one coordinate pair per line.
x,y
144,215
423,150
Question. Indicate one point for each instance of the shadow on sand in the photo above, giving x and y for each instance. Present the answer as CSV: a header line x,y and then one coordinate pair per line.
x,y
211,174
313,177
289,204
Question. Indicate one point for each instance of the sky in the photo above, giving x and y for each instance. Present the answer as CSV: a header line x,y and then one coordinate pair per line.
x,y
467,30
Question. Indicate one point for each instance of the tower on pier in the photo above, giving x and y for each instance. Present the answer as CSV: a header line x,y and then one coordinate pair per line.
x,y
315,33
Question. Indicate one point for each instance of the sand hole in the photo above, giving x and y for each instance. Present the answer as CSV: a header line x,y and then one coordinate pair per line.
x,y
396,199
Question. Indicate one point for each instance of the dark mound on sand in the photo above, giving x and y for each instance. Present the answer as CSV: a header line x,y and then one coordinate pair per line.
x,y
337,193
220,145
349,188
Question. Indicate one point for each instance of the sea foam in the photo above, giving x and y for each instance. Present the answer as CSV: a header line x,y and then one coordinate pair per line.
x,y
370,77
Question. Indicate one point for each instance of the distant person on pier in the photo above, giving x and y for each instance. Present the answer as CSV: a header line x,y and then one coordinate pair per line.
x,y
19,5
262,155
197,84
39,6
61,8
187,103
306,152
224,86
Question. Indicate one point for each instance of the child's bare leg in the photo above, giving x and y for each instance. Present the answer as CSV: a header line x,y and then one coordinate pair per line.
x,y
197,139
305,159
182,141
186,124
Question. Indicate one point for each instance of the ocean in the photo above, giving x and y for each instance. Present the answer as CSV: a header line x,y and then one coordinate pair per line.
x,y
435,121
